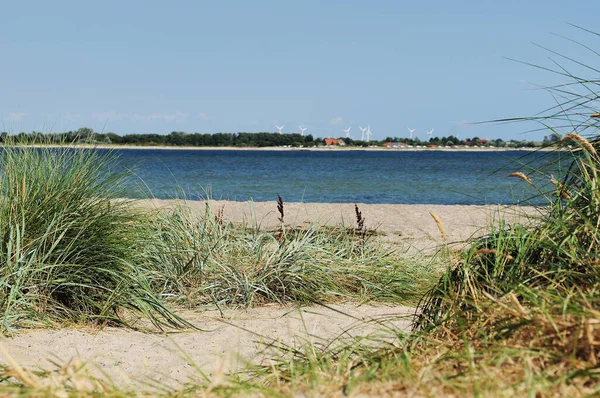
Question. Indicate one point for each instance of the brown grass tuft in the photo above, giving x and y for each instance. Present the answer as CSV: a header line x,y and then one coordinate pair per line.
x,y
440,225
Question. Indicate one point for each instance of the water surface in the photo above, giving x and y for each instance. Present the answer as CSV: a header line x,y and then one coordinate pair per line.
x,y
397,177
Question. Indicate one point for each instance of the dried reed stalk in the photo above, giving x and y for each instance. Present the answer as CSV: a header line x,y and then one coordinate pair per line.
x,y
280,208
219,215
440,225
360,223
280,235
25,376
522,176
517,304
561,189
581,140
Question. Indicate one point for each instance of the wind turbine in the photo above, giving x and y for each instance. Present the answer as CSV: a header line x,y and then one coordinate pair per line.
x,y
411,131
303,129
369,133
280,128
429,133
362,135
347,132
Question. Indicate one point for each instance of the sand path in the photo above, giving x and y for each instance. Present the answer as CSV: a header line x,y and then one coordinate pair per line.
x,y
228,342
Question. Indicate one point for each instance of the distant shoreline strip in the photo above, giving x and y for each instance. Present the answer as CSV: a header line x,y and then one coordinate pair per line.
x,y
319,149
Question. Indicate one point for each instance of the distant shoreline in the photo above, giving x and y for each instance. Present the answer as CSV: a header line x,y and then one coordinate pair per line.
x,y
275,148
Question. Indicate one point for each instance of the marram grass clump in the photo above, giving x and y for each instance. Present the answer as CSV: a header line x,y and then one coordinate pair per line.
x,y
202,259
70,251
559,250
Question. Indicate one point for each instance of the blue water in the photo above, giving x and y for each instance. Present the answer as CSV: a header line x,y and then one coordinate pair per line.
x,y
409,177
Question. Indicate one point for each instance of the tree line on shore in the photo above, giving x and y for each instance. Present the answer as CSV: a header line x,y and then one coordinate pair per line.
x,y
86,135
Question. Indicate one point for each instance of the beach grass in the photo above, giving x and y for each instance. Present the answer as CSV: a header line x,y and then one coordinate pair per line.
x,y
71,253
76,252
204,260
518,314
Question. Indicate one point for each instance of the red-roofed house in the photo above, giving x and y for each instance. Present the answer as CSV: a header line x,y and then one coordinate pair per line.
x,y
334,141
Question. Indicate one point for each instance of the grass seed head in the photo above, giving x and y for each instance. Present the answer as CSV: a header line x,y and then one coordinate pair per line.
x,y
360,221
361,231
219,215
562,190
440,225
582,141
522,176
280,208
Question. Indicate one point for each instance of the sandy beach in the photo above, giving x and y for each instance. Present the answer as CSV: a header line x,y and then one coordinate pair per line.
x,y
230,339
410,226
316,148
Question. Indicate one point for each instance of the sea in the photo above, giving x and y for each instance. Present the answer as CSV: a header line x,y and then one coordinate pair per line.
x,y
340,176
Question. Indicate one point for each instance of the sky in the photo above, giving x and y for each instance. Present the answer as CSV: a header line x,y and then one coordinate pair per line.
x,y
244,66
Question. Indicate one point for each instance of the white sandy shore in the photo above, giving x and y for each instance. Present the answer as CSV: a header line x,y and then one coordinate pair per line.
x,y
236,337
279,148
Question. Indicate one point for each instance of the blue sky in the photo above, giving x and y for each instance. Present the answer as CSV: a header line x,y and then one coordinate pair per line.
x,y
229,66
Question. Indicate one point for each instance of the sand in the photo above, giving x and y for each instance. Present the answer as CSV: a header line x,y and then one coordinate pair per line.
x,y
231,339
227,342
407,226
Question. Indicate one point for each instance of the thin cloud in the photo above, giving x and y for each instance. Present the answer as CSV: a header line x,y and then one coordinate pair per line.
x,y
16,116
139,118
203,116
336,120
177,117
108,116
69,117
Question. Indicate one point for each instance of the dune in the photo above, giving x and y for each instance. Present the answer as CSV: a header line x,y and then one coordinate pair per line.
x,y
227,340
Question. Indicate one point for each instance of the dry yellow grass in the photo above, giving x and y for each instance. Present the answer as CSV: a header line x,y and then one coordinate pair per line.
x,y
582,141
562,190
440,225
522,176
